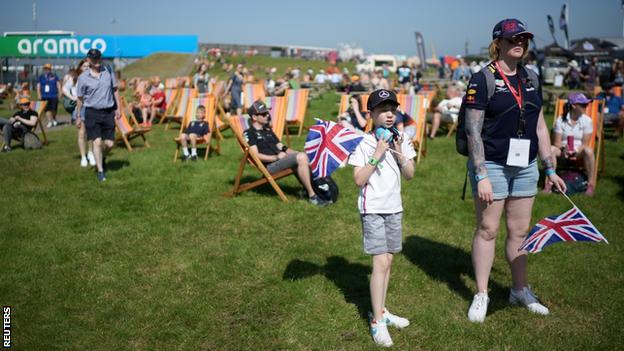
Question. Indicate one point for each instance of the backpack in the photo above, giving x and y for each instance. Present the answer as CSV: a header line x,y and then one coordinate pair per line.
x,y
326,189
576,181
461,140
31,141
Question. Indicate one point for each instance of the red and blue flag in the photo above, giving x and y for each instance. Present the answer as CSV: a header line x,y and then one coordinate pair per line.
x,y
572,225
328,145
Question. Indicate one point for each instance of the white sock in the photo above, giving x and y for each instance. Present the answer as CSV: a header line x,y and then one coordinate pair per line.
x,y
185,151
193,152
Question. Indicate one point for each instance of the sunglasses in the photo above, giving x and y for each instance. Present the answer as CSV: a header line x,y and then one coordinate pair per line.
x,y
515,40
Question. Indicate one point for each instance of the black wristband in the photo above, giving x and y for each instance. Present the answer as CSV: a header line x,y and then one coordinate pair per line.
x,y
284,148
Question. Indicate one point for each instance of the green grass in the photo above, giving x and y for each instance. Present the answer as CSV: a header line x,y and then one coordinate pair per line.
x,y
164,65
157,258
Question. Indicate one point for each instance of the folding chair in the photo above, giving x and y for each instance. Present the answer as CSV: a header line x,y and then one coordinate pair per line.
x,y
297,104
126,131
252,92
239,124
344,102
39,107
415,107
277,106
209,102
593,110
186,94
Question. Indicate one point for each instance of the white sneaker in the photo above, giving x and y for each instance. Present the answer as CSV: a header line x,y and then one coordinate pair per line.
x,y
91,158
49,125
478,308
83,162
379,332
394,320
54,123
527,298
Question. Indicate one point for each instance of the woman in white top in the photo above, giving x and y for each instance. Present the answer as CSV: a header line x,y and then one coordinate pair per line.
x,y
572,136
69,90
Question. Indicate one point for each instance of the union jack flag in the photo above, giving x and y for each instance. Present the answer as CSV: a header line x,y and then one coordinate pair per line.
x,y
328,145
569,226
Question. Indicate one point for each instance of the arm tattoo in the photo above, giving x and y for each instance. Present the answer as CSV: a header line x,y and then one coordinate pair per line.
x,y
548,163
474,125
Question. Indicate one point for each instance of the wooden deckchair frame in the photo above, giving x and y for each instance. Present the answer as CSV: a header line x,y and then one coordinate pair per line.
x,y
39,123
210,102
133,131
249,156
594,110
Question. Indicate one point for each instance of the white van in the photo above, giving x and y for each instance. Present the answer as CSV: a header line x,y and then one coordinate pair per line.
x,y
376,62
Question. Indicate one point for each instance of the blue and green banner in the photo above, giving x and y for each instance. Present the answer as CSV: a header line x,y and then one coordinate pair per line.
x,y
129,46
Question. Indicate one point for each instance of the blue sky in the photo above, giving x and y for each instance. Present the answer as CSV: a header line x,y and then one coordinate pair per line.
x,y
377,26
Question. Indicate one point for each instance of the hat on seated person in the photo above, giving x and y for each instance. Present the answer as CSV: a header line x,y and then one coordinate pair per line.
x,y
509,28
258,108
578,98
23,100
381,95
47,66
94,54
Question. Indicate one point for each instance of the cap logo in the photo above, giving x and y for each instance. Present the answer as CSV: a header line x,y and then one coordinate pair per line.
x,y
384,94
509,26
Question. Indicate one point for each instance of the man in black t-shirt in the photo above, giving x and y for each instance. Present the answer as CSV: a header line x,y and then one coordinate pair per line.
x,y
275,155
23,121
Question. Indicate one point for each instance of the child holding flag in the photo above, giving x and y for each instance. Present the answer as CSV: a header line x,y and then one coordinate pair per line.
x,y
379,162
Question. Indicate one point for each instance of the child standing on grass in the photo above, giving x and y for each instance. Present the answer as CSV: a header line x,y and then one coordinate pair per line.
x,y
197,129
379,161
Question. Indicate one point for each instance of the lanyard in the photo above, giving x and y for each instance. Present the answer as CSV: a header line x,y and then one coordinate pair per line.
x,y
517,94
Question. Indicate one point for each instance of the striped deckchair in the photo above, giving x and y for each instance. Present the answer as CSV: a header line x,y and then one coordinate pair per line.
x,y
186,94
297,104
277,106
125,130
594,110
239,124
39,107
344,103
415,107
210,103
252,92
171,83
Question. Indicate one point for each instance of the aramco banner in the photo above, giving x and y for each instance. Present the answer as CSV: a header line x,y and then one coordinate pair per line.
x,y
110,45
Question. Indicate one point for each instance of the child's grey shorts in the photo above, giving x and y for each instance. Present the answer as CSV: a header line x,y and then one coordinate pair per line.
x,y
382,233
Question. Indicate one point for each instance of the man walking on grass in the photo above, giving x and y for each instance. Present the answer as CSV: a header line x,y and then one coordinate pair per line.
x,y
97,90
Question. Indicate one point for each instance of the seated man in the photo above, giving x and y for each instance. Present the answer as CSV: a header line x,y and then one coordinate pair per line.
x,y
448,109
198,129
614,109
22,122
275,155
576,128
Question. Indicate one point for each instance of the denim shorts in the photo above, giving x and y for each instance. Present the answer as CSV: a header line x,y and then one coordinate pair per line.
x,y
382,233
508,181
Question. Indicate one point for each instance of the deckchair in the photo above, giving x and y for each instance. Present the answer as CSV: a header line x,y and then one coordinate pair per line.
x,y
171,83
39,107
277,106
186,94
239,124
344,102
297,104
126,131
593,110
415,107
252,92
209,102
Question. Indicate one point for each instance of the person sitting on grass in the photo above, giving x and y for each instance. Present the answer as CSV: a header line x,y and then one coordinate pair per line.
x,y
197,129
275,155
22,122
379,163
576,128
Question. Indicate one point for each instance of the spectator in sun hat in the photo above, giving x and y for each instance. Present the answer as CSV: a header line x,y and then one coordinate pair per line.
x,y
573,76
49,89
22,122
275,155
97,91
505,180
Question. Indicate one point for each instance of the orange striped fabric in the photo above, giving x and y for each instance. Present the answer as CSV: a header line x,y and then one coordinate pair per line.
x,y
344,103
297,104
253,92
277,105
415,107
38,106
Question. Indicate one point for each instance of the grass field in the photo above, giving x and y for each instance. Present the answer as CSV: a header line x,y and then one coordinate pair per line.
x,y
157,258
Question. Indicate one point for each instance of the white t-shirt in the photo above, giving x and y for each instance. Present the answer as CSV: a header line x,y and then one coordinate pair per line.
x,y
583,126
450,107
382,192
70,88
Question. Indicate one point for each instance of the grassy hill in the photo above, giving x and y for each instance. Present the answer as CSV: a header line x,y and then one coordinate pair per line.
x,y
161,64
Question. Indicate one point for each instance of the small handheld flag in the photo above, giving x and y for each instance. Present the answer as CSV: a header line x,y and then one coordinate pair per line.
x,y
328,145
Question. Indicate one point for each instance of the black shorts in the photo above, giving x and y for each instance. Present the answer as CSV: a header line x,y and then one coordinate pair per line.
x,y
100,123
52,104
197,130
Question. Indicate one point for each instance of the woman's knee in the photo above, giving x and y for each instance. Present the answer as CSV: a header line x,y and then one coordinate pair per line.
x,y
487,232
587,152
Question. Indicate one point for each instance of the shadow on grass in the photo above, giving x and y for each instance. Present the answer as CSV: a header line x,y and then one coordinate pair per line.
x,y
447,264
350,278
267,189
620,182
115,165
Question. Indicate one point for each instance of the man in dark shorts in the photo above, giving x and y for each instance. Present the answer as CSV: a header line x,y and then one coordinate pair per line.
x,y
97,90
275,155
48,89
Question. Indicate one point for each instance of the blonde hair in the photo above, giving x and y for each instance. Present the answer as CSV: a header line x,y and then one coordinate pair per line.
x,y
494,50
